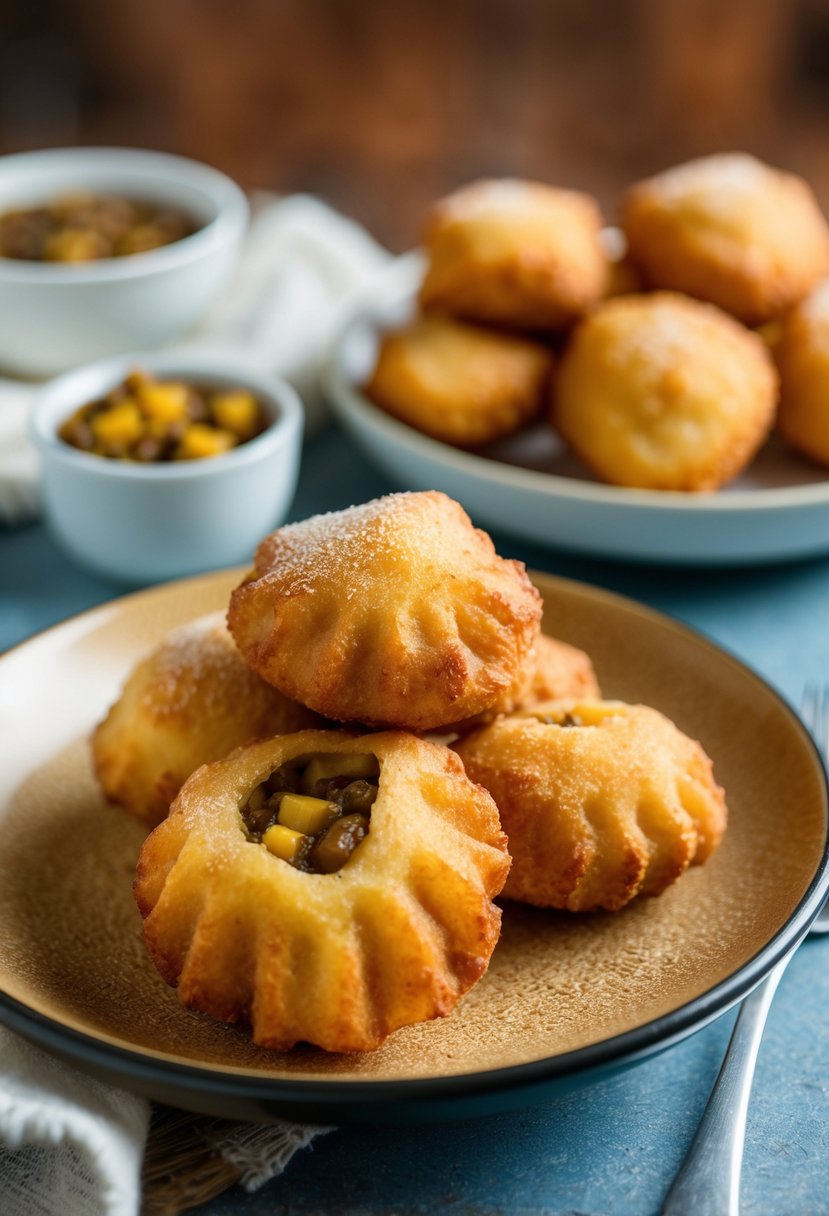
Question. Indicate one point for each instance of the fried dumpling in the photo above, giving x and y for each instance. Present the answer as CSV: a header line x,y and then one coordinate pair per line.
x,y
558,670
192,700
662,392
325,887
460,383
731,230
554,670
601,801
394,613
802,355
513,253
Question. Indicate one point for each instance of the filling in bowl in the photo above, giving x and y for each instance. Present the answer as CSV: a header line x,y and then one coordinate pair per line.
x,y
87,227
148,420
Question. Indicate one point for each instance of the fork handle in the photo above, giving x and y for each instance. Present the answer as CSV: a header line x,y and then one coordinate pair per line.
x,y
708,1182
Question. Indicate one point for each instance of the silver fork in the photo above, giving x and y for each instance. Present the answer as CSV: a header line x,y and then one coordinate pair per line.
x,y
708,1182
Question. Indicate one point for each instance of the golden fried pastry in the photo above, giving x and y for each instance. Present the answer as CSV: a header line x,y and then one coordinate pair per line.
x,y
460,383
554,670
600,801
802,354
394,613
189,702
325,887
663,392
730,230
514,253
559,670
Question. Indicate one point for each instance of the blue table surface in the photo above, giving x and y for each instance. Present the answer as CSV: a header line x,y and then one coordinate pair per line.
x,y
610,1149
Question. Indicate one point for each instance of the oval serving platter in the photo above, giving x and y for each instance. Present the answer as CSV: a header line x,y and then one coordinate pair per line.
x,y
529,486
566,998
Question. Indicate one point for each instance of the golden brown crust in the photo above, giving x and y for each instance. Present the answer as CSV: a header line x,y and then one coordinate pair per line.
x,y
730,230
514,253
192,700
559,671
555,670
597,813
662,392
460,383
802,354
394,613
396,936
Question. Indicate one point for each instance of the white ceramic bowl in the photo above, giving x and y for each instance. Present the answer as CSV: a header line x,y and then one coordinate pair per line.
x,y
137,523
58,316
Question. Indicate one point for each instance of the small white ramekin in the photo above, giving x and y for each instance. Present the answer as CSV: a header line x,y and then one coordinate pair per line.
x,y
58,316
144,523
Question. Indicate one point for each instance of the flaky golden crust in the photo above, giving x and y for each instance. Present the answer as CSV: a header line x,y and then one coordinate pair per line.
x,y
460,383
341,960
730,230
802,355
559,671
598,813
514,253
192,700
665,393
554,670
394,613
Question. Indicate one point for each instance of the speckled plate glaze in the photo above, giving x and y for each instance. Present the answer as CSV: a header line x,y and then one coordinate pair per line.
x,y
566,998
530,486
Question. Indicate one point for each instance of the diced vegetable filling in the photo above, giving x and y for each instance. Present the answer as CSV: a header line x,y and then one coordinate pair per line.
x,y
149,420
565,719
86,227
313,811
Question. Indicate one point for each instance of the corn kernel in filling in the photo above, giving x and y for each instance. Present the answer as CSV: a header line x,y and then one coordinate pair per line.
x,y
313,812
148,420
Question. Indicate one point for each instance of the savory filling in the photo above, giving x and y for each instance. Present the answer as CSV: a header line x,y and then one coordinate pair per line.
x,y
87,227
148,420
313,811
563,719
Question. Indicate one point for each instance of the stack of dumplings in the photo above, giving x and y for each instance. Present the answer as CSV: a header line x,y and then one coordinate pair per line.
x,y
662,352
342,778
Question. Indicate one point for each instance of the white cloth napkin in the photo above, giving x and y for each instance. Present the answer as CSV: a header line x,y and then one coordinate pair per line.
x,y
300,263
69,1144
72,1146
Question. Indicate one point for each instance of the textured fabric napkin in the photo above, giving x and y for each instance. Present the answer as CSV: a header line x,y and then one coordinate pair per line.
x,y
70,1145
300,263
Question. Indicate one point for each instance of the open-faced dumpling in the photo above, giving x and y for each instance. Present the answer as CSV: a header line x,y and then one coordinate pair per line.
x,y
325,888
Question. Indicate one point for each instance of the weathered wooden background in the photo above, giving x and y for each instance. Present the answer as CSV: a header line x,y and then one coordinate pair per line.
x,y
379,105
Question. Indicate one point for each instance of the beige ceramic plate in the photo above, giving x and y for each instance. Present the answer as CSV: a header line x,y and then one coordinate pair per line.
x,y
565,996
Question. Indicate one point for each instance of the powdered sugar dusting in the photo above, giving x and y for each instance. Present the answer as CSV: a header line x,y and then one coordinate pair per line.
x,y
816,307
342,545
666,329
199,654
724,180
